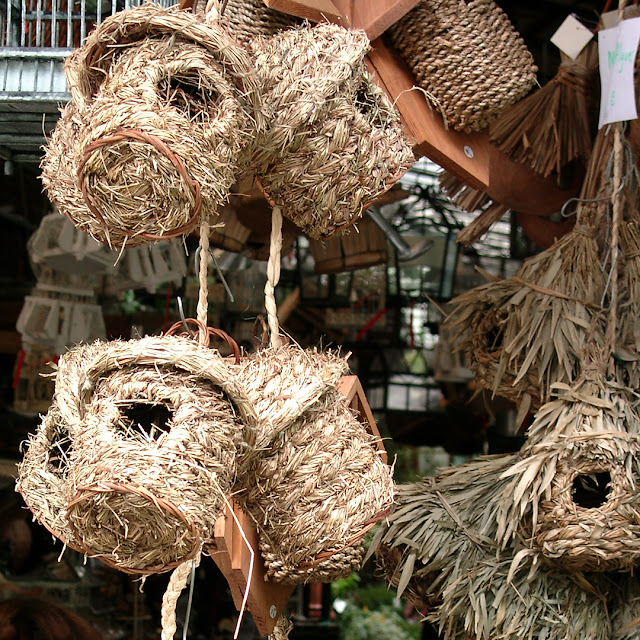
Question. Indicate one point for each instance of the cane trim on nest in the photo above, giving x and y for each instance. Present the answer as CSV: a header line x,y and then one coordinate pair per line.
x,y
158,144
161,503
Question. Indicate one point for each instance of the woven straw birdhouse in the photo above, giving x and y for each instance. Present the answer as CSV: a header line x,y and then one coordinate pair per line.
x,y
162,106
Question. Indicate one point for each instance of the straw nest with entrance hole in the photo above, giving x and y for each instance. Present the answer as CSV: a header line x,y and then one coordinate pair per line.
x,y
162,107
504,326
146,438
317,483
442,550
573,492
467,56
333,141
132,461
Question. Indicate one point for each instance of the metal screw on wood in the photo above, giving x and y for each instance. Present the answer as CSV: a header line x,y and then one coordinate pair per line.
x,y
273,611
468,151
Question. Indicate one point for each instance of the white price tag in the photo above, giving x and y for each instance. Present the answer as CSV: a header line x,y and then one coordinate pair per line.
x,y
571,37
617,54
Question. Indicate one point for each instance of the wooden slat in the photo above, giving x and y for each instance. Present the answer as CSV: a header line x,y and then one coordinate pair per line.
x,y
351,387
313,10
233,558
425,125
376,16
373,16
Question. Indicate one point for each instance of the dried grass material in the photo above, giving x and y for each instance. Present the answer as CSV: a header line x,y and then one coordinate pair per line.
x,y
164,106
132,460
482,223
334,141
467,56
315,492
440,548
550,128
556,313
282,384
461,194
477,324
573,493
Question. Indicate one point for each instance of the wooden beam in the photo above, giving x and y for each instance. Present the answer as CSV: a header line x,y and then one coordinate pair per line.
x,y
266,600
372,16
464,155
313,10
376,16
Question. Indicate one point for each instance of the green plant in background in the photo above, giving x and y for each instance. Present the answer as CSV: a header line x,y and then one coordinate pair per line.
x,y
370,612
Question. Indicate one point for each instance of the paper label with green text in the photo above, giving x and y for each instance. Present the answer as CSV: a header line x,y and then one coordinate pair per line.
x,y
617,51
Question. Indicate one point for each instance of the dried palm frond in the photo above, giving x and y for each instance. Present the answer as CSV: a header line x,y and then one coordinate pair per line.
x,y
440,549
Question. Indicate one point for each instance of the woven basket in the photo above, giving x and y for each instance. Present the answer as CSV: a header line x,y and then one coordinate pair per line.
x,y
333,142
232,235
250,19
154,133
467,56
363,247
136,452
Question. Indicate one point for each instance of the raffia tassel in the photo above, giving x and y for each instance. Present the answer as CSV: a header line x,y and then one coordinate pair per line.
x,y
482,223
550,128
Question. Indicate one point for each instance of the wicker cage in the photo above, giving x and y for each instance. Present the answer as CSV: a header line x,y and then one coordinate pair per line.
x,y
132,460
333,142
467,56
154,133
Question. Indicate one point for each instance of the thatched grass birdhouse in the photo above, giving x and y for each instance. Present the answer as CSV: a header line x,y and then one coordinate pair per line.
x,y
162,106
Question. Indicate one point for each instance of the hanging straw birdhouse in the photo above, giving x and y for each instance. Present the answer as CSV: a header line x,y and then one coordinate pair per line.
x,y
318,482
333,141
443,551
468,58
162,106
133,459
573,492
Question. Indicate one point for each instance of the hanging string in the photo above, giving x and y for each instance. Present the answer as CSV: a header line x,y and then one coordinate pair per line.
x,y
203,291
616,217
177,583
273,275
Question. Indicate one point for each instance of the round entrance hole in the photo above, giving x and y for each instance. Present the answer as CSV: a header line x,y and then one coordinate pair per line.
x,y
591,490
